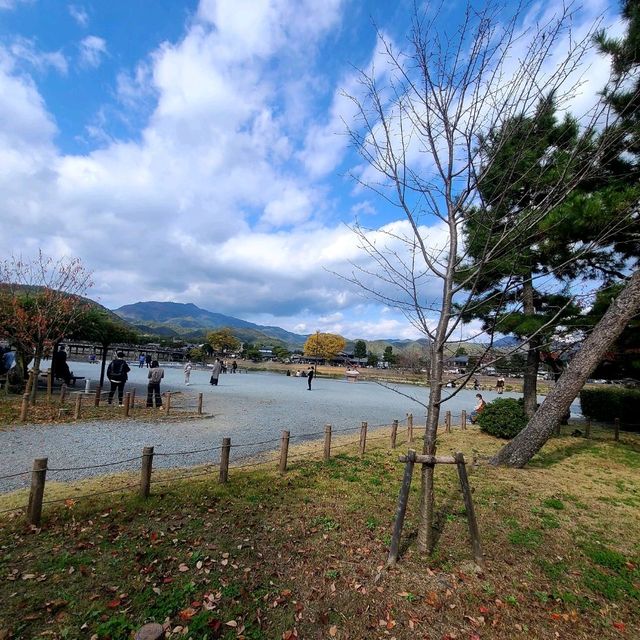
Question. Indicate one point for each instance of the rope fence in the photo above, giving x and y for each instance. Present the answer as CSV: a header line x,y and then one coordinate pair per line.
x,y
255,458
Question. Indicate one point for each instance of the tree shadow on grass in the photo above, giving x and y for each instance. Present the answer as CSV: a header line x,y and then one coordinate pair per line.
x,y
545,459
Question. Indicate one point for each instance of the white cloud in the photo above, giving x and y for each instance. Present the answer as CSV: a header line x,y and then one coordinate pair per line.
x,y
79,14
25,50
12,4
92,51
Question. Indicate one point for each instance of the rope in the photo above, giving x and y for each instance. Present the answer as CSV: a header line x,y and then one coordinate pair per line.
x,y
91,495
15,475
94,466
185,453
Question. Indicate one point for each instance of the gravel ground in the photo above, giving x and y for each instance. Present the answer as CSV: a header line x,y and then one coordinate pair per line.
x,y
247,407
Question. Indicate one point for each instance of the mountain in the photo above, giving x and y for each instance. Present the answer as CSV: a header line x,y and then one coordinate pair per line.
x,y
189,321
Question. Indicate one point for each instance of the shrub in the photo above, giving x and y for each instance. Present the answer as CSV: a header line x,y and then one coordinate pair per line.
x,y
503,418
606,403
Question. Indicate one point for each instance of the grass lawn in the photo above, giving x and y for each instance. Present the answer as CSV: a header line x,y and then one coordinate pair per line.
x,y
303,555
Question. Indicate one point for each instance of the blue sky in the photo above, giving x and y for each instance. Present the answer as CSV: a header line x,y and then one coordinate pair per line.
x,y
195,151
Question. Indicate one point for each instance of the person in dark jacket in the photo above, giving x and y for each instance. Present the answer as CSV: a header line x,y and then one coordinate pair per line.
x,y
310,378
117,375
156,373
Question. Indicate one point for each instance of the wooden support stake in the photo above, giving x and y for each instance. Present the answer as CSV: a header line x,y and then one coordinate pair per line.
x,y
394,434
284,451
327,442
30,380
468,505
76,413
127,403
49,384
428,459
38,477
224,459
447,422
363,438
63,393
132,402
616,427
200,396
410,427
587,428
24,408
151,631
401,510
463,419
168,402
145,473
98,394
558,429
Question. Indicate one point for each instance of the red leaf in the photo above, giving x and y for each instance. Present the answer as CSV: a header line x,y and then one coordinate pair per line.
x,y
114,604
620,626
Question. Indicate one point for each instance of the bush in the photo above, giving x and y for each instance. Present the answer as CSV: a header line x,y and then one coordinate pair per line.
x,y
606,403
503,418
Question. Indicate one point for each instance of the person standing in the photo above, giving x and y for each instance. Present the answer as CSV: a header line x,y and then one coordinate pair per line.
x,y
156,373
147,359
234,366
117,374
500,385
215,372
141,361
310,378
187,372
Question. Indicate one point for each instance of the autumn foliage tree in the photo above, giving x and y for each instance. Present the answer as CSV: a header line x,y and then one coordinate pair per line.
x,y
324,345
40,300
223,341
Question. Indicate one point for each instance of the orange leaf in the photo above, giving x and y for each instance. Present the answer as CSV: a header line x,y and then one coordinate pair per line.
x,y
114,604
187,614
620,626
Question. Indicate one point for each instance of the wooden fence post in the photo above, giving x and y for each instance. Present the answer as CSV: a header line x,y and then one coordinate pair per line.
x,y
284,451
49,384
63,393
463,419
447,422
168,402
587,428
24,408
468,506
401,510
127,403
76,413
151,631
98,394
616,429
394,434
132,401
327,442
224,459
145,473
38,476
363,438
410,427
200,396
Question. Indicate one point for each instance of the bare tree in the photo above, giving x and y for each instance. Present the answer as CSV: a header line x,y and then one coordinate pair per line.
x,y
419,123
40,301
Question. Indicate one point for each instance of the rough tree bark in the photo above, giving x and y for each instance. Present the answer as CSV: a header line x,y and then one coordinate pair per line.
x,y
531,439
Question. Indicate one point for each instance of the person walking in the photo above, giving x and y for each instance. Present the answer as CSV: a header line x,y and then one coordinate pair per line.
x,y
147,359
215,372
141,361
187,372
234,366
117,375
156,373
310,378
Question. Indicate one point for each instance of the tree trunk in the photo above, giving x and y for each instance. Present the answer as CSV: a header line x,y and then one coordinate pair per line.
x,y
532,438
530,382
425,528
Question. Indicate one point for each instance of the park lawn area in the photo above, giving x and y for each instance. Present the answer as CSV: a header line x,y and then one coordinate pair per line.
x,y
303,555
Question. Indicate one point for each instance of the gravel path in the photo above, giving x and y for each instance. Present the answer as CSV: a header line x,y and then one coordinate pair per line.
x,y
247,407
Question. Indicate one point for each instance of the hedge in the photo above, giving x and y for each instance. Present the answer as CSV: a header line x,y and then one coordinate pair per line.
x,y
607,403
503,418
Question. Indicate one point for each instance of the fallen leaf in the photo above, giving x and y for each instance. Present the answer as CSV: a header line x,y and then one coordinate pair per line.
x,y
114,604
231,623
187,614
183,567
333,631
620,626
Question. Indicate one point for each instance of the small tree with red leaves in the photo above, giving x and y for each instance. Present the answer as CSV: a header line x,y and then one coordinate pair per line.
x,y
40,300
